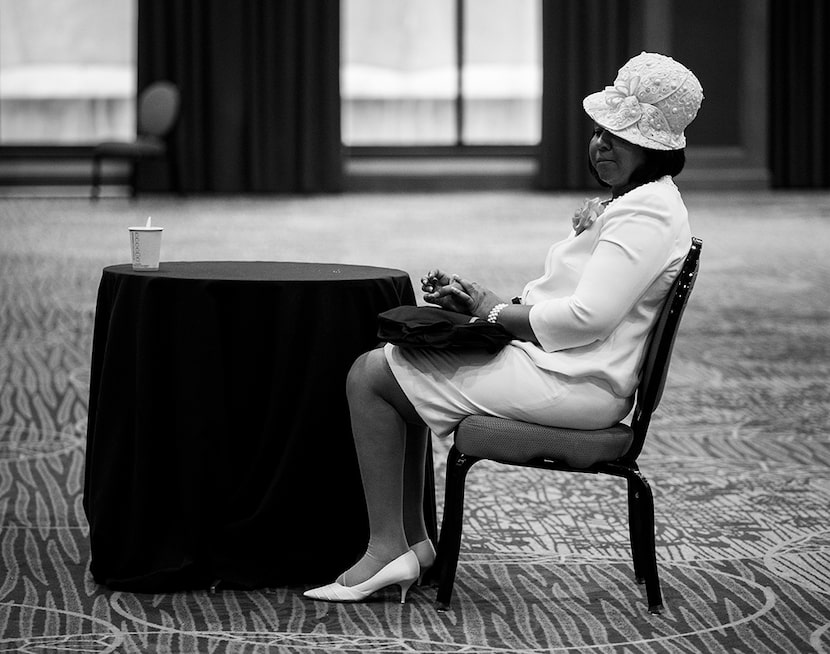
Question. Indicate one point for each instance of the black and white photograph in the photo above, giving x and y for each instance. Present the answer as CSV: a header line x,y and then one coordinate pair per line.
x,y
415,326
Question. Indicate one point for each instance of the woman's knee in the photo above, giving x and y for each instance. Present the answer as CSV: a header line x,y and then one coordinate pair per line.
x,y
371,377
366,373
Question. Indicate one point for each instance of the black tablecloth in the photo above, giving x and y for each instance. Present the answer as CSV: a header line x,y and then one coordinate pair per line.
x,y
218,444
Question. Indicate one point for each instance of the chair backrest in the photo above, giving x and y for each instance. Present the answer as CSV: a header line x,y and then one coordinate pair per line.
x,y
659,350
158,108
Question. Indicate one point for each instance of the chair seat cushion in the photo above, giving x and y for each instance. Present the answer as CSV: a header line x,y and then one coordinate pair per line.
x,y
513,441
142,147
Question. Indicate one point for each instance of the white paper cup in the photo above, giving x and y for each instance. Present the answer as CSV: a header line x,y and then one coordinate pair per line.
x,y
145,245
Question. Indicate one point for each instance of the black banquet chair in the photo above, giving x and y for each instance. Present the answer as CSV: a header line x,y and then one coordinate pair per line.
x,y
611,451
156,113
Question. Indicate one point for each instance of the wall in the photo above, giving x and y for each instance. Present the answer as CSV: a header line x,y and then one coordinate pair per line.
x,y
725,42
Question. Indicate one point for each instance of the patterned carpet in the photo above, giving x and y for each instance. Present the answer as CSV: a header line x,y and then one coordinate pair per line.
x,y
739,452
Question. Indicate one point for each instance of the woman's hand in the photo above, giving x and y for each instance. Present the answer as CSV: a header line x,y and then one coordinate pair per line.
x,y
457,294
434,280
441,289
479,300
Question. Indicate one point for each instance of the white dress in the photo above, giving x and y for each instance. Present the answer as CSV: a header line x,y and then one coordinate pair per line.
x,y
591,312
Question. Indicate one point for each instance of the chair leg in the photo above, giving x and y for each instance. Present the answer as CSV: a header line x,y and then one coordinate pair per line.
x,y
643,547
175,178
449,542
634,530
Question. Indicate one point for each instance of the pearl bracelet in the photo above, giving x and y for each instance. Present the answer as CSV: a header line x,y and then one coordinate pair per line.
x,y
493,316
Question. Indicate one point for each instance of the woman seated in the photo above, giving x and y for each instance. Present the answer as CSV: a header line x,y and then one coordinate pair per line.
x,y
580,330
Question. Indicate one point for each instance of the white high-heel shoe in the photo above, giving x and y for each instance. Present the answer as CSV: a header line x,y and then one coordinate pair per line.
x,y
425,552
402,572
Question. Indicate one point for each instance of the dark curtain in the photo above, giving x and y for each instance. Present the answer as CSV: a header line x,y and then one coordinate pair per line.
x,y
260,93
585,42
799,93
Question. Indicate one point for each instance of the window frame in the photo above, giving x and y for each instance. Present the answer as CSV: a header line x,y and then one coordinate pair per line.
x,y
459,149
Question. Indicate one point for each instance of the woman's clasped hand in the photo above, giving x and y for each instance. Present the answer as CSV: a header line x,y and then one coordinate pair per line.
x,y
455,293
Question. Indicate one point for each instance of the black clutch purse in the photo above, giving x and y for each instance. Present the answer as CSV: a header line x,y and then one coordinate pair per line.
x,y
433,327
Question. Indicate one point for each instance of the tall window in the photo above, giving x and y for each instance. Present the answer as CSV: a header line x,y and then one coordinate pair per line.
x,y
67,71
441,72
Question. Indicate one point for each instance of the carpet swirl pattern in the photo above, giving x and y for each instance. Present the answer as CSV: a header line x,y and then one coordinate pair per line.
x,y
738,454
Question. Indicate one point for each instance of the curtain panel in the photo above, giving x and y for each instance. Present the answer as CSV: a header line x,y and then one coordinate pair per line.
x,y
584,44
260,88
799,83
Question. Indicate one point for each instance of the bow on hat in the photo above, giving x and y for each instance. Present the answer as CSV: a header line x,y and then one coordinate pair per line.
x,y
625,108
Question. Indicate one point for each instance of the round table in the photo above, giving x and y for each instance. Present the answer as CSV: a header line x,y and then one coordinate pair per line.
x,y
218,443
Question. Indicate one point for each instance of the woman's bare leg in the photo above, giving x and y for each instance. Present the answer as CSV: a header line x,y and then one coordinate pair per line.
x,y
417,442
381,416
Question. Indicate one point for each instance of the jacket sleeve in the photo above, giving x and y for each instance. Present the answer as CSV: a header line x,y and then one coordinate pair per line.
x,y
633,248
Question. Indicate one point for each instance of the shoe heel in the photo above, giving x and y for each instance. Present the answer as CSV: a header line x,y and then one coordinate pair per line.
x,y
405,586
425,552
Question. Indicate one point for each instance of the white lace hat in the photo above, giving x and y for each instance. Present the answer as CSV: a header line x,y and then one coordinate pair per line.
x,y
652,101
